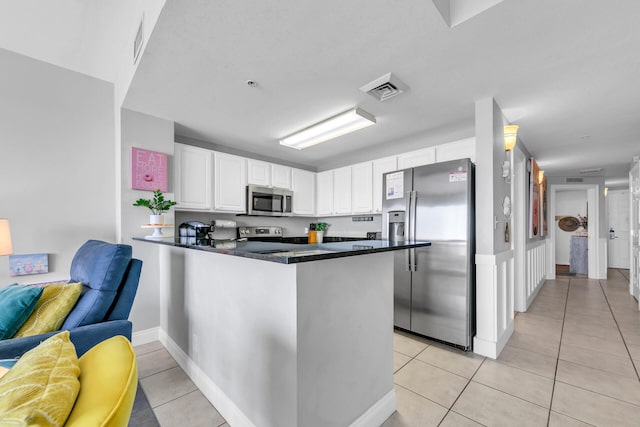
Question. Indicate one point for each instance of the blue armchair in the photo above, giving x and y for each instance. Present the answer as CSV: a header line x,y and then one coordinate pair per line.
x,y
110,277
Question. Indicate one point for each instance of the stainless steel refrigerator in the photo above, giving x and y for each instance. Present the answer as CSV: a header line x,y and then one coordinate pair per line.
x,y
434,287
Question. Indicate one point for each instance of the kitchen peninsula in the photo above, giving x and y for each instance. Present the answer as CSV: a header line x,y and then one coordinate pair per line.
x,y
278,334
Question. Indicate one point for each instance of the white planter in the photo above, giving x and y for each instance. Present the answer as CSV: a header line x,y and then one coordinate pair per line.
x,y
156,219
319,236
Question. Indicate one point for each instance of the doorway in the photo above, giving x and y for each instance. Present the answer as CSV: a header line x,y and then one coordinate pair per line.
x,y
596,249
618,215
571,256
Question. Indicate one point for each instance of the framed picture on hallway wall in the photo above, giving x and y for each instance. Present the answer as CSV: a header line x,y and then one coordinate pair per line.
x,y
534,200
543,207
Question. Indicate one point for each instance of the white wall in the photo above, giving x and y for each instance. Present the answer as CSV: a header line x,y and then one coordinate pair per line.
x,y
494,257
143,131
56,162
569,202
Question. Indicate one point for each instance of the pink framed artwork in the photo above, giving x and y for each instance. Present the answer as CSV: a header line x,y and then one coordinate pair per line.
x,y
148,170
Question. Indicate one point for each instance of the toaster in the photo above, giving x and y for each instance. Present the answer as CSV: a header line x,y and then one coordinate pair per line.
x,y
195,229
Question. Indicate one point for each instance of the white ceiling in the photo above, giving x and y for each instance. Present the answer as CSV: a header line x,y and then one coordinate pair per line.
x,y
565,71
80,35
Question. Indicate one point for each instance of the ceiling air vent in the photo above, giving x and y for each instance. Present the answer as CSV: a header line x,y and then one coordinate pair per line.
x,y
568,180
385,87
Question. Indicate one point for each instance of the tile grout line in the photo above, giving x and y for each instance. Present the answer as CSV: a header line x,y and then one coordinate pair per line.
x,y
619,331
555,374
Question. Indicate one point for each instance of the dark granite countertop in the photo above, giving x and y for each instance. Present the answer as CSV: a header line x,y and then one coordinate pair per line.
x,y
288,253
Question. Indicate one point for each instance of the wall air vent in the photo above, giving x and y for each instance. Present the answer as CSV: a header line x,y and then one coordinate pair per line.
x,y
573,180
592,170
138,41
385,87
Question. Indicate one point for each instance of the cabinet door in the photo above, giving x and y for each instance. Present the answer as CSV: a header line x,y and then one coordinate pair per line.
x,y
230,183
426,156
324,193
342,190
193,177
362,187
380,167
258,173
465,148
281,176
304,191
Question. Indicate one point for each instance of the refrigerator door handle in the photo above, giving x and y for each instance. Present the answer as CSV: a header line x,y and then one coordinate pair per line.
x,y
412,235
415,260
407,231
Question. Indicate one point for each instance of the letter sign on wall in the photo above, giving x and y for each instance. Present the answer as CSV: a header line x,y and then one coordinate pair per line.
x,y
148,170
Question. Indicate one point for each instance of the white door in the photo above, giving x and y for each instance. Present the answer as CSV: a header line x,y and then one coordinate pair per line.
x,y
618,213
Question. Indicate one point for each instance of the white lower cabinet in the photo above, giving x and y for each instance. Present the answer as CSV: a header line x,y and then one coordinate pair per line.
x,y
230,183
304,191
193,177
362,188
342,190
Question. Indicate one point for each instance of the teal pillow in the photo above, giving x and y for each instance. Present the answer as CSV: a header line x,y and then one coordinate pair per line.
x,y
17,302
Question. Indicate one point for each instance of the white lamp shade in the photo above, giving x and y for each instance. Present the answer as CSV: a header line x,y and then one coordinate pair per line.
x,y
5,238
510,137
336,126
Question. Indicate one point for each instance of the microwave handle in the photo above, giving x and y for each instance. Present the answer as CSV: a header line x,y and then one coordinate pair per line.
x,y
285,207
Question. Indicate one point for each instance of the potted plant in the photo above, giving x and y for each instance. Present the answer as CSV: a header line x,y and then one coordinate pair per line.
x,y
158,204
321,227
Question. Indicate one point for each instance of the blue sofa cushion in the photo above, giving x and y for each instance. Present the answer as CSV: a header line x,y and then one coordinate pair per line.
x,y
16,304
126,294
100,266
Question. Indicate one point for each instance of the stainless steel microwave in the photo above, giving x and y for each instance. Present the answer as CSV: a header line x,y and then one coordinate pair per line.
x,y
268,201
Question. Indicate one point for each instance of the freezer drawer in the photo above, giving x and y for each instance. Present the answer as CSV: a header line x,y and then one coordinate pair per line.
x,y
440,294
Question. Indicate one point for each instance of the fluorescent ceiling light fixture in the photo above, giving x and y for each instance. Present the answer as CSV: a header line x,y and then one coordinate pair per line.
x,y
341,124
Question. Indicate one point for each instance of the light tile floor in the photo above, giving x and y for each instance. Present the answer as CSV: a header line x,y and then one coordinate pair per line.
x,y
573,360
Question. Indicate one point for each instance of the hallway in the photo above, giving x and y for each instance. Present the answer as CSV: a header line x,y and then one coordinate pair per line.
x,y
572,360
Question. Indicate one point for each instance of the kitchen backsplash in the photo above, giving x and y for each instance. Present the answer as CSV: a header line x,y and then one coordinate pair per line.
x,y
342,226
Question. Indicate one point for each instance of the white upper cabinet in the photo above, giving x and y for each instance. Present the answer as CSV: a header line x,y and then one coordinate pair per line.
x,y
230,183
425,156
193,177
362,188
304,191
324,193
342,190
258,173
465,148
281,176
380,167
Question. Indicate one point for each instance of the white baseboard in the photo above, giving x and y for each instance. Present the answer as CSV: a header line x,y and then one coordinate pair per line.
x,y
229,411
493,349
146,336
373,417
377,414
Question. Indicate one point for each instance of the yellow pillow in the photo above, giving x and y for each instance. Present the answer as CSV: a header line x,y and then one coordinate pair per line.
x,y
107,385
54,305
42,386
